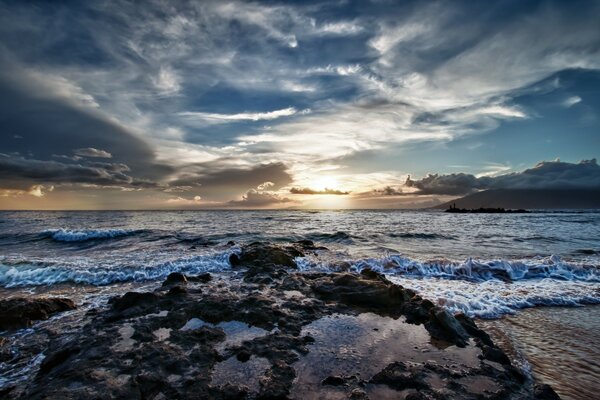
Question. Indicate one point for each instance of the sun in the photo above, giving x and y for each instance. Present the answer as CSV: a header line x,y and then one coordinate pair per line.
x,y
325,182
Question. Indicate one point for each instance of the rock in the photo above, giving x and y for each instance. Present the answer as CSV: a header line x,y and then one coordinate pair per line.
x,y
397,376
545,392
493,353
333,380
264,253
229,392
175,278
358,394
473,330
21,312
365,290
444,326
177,291
134,299
54,359
276,383
243,355
204,278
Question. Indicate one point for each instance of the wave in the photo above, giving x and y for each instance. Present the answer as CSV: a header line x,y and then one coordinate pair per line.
x,y
493,299
417,235
472,270
484,289
67,235
37,274
340,237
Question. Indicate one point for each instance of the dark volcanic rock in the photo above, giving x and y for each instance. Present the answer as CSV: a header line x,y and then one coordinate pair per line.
x,y
257,254
173,342
368,289
20,313
204,278
134,299
545,392
443,325
333,380
398,376
175,278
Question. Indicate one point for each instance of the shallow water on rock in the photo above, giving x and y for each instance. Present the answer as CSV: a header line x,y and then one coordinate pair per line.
x,y
235,331
245,373
361,346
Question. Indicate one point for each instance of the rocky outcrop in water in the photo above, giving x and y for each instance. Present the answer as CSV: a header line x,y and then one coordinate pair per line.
x,y
267,331
21,312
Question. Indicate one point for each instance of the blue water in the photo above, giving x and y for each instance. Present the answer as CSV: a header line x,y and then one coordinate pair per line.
x,y
486,265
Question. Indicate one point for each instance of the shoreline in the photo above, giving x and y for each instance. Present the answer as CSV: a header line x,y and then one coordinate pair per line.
x,y
278,331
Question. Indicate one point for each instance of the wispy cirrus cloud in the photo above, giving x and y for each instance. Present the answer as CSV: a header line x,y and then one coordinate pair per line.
x,y
245,116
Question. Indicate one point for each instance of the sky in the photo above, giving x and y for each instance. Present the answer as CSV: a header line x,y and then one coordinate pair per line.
x,y
283,104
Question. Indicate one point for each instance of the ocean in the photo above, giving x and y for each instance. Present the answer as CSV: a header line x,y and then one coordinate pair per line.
x,y
490,266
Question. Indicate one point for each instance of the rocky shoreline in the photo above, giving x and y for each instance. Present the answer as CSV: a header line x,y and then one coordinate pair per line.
x,y
268,331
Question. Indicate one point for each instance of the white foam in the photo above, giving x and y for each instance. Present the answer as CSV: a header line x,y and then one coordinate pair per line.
x,y
494,298
486,289
36,274
473,270
67,235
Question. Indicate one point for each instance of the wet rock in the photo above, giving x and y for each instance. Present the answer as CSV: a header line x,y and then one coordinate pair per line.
x,y
277,382
364,290
397,376
493,353
265,253
134,299
333,380
20,312
545,392
358,394
57,358
177,291
204,278
443,325
175,278
229,392
473,330
243,355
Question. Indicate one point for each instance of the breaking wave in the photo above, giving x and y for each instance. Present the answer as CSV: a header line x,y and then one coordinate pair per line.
x,y
472,270
36,274
67,235
484,289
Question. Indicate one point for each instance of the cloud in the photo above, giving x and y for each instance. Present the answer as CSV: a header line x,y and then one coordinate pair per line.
x,y
389,191
571,101
544,175
24,174
246,116
92,152
184,202
218,181
259,197
265,185
296,190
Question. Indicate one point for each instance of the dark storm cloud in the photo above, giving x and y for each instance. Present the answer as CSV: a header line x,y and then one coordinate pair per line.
x,y
545,175
92,152
296,190
20,174
452,184
217,181
389,191
50,124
